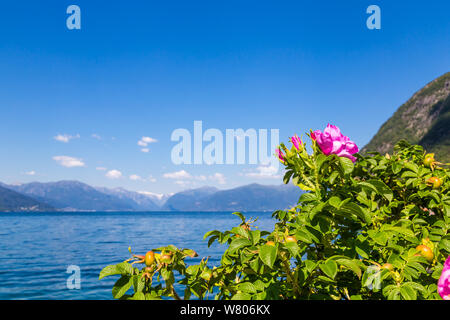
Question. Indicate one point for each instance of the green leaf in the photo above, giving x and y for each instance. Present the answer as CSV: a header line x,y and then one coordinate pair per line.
x,y
320,159
240,215
288,176
333,176
313,233
255,236
193,270
238,243
303,236
210,233
408,293
240,231
211,240
246,287
445,245
401,230
346,165
138,296
125,268
241,296
362,247
293,248
259,285
350,264
379,187
355,209
329,268
335,201
268,254
190,253
122,286
138,283
310,265
317,209
108,271
167,275
308,197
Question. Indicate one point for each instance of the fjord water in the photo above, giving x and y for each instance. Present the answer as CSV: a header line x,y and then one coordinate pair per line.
x,y
37,248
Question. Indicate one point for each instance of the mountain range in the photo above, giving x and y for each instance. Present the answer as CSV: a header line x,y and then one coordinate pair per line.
x,y
424,119
78,196
14,201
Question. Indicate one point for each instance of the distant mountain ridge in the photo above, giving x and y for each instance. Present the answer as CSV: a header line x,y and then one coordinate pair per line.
x,y
424,119
14,201
72,196
78,196
135,200
253,197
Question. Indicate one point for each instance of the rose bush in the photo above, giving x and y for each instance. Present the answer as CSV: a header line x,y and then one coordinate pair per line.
x,y
365,227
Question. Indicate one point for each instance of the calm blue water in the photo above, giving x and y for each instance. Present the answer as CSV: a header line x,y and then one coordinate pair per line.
x,y
37,248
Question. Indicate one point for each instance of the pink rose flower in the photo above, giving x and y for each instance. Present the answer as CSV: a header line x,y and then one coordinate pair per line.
x,y
332,141
296,142
444,281
279,154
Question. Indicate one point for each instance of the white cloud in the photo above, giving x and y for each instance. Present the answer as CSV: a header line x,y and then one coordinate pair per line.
x,y
96,136
151,178
264,172
177,175
30,173
65,137
148,140
144,142
200,178
218,177
113,174
135,177
69,162
100,168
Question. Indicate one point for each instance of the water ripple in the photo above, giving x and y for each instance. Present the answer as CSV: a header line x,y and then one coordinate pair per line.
x,y
37,248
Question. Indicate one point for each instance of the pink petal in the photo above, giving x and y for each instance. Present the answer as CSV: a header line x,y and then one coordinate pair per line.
x,y
334,132
325,142
351,147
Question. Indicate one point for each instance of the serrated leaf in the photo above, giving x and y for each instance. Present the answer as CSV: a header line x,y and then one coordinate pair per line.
x,y
346,165
121,286
238,243
408,293
268,254
139,296
247,287
335,201
108,271
350,264
378,187
138,283
210,233
124,268
241,296
255,236
329,268
240,215
293,248
240,231
355,209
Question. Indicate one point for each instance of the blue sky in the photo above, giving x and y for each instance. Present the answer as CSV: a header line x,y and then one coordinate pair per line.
x,y
145,68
